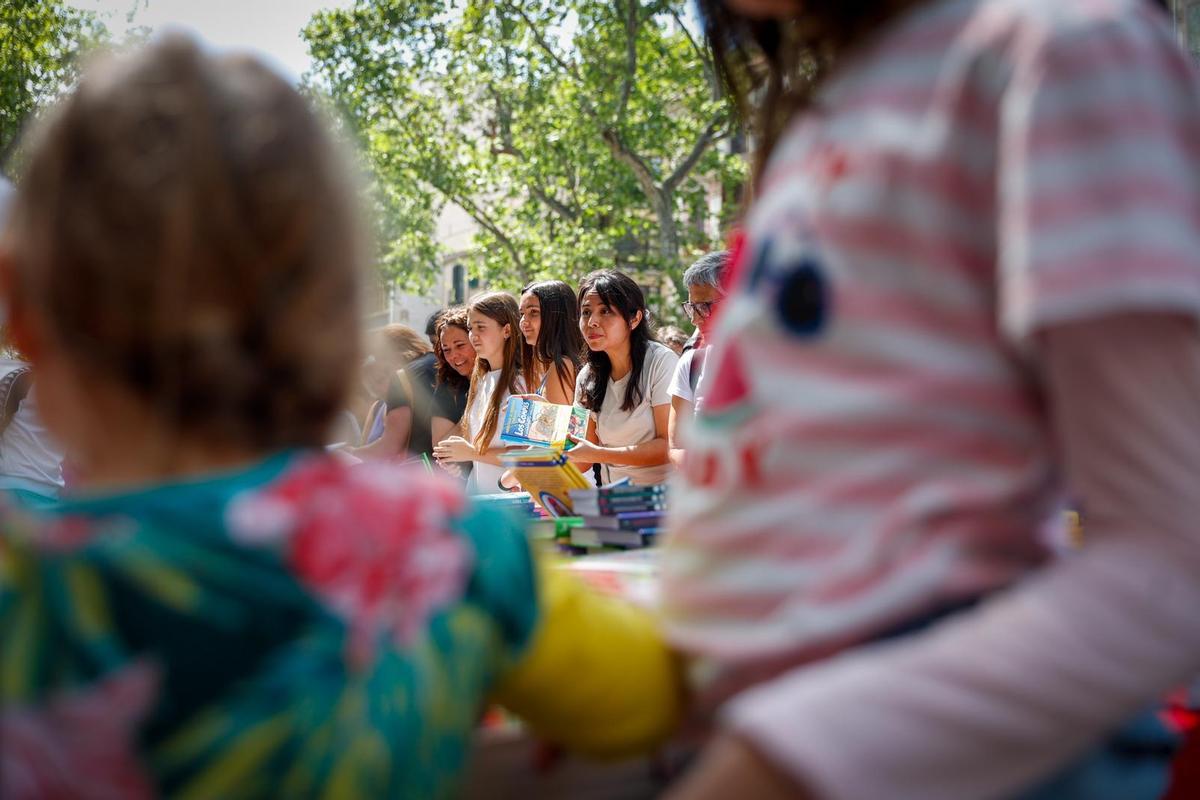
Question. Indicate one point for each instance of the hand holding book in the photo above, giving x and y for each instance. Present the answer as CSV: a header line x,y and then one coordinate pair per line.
x,y
531,421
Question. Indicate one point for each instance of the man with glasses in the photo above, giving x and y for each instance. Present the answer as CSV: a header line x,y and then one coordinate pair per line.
x,y
704,281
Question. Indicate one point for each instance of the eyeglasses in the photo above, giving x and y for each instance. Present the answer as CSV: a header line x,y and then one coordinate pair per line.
x,y
701,310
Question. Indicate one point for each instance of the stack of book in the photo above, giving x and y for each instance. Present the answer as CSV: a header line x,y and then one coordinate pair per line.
x,y
519,504
618,516
547,475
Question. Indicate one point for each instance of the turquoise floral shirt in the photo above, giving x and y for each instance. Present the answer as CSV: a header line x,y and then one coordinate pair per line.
x,y
297,629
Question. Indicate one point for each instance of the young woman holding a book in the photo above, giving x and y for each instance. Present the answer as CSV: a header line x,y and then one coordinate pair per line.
x,y
623,384
969,287
553,348
493,320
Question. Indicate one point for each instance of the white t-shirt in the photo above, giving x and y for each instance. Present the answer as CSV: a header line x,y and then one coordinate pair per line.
x,y
485,478
617,428
683,385
29,460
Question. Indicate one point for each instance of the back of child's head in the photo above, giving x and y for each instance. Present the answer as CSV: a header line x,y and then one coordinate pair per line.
x,y
184,232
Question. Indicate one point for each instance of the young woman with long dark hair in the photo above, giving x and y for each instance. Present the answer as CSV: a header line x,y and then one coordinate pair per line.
x,y
623,383
553,346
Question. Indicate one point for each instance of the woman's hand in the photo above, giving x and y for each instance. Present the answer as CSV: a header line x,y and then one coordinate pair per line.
x,y
585,452
509,482
451,468
456,448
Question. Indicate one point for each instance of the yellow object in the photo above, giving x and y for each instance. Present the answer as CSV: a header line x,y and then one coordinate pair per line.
x,y
598,677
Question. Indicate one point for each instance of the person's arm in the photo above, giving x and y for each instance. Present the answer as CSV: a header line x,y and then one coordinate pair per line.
x,y
397,427
441,429
457,448
649,453
1003,695
680,409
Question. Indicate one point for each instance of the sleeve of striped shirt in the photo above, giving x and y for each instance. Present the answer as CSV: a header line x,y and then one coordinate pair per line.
x,y
999,698
1099,173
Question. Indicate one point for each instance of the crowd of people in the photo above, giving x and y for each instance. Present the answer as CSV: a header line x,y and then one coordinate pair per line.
x,y
965,290
597,349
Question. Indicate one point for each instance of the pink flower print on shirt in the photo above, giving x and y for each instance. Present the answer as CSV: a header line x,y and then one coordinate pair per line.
x,y
375,542
79,745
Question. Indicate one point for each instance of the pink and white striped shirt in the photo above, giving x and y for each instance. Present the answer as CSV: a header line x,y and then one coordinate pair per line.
x,y
875,442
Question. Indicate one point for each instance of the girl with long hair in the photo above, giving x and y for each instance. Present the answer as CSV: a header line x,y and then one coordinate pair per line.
x,y
553,346
968,289
493,320
623,383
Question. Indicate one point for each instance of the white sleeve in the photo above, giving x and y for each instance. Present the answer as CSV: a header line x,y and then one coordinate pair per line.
x,y
661,369
681,383
997,698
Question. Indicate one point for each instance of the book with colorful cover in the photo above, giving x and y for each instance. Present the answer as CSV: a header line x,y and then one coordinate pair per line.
x,y
530,421
548,477
625,520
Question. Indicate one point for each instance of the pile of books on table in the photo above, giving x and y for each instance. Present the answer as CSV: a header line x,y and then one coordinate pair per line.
x,y
519,504
621,516
547,476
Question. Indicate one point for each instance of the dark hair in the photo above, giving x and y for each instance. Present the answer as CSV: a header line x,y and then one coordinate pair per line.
x,y
559,341
621,293
453,317
502,308
431,324
186,232
779,63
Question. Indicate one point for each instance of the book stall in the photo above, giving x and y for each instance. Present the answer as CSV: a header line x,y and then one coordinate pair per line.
x,y
605,535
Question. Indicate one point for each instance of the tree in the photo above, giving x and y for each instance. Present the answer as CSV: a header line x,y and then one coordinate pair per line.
x,y
40,43
576,133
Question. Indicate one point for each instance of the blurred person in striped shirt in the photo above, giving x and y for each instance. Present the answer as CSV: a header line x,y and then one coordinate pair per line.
x,y
969,283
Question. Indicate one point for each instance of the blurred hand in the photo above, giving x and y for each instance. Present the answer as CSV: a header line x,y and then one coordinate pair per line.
x,y
456,448
584,452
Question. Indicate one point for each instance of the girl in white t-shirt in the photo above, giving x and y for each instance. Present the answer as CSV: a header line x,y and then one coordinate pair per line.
x,y
623,384
492,319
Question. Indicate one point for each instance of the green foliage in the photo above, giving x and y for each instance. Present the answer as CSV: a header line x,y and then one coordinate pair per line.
x,y
578,134
40,43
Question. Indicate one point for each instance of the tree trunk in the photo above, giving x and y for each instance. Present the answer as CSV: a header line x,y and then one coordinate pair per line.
x,y
668,235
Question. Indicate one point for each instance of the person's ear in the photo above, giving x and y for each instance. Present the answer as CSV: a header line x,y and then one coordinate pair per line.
x,y
507,330
637,320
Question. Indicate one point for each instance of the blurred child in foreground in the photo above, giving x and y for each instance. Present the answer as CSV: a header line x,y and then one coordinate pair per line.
x,y
224,610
